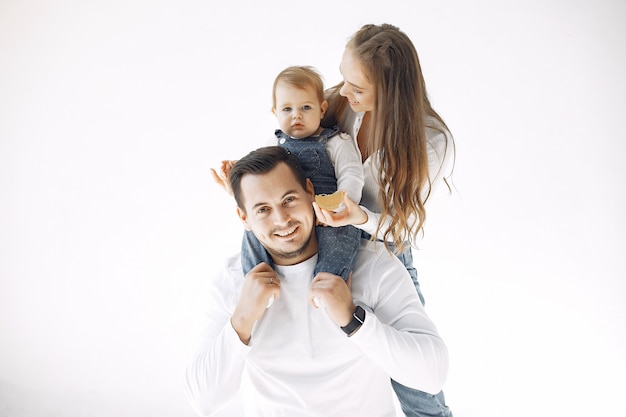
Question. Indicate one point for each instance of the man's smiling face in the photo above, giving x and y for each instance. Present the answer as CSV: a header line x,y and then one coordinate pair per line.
x,y
280,214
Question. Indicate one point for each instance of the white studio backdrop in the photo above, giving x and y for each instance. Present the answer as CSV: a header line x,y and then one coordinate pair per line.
x,y
112,113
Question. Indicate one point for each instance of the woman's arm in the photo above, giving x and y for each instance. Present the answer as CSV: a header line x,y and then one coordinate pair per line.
x,y
440,161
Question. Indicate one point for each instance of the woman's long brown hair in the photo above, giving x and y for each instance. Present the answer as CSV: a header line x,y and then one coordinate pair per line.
x,y
399,118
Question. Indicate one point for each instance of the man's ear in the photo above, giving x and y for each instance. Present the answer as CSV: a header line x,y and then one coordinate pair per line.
x,y
244,218
310,190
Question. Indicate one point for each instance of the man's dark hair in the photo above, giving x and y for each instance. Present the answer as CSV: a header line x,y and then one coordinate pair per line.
x,y
262,161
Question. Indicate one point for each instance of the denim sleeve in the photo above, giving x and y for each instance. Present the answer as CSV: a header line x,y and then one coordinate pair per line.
x,y
252,253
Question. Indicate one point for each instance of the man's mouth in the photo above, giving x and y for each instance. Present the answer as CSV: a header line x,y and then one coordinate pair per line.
x,y
286,232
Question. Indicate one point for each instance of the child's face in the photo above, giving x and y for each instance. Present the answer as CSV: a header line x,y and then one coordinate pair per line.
x,y
298,111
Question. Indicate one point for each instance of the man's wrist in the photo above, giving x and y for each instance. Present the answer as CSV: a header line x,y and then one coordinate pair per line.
x,y
358,318
238,327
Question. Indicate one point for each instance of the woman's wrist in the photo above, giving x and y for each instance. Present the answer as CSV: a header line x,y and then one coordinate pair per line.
x,y
362,217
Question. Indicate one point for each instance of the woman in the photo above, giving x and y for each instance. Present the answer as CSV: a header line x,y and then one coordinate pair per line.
x,y
406,149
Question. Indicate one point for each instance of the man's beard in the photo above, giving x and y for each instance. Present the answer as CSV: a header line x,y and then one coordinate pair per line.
x,y
277,254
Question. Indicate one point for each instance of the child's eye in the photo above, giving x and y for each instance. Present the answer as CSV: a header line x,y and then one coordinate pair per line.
x,y
306,107
287,109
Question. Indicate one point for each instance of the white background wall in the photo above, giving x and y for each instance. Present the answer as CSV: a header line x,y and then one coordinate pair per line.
x,y
112,112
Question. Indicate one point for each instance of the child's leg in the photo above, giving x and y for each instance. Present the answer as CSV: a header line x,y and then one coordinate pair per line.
x,y
337,248
421,404
253,253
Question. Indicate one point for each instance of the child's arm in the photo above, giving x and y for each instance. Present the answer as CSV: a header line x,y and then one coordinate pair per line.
x,y
348,166
221,176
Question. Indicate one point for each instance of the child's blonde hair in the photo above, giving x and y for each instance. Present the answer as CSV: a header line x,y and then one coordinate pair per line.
x,y
300,77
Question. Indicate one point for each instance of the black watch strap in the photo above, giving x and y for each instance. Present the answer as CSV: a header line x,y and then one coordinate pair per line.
x,y
358,317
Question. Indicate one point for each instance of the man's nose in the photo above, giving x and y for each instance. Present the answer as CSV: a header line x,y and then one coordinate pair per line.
x,y
281,216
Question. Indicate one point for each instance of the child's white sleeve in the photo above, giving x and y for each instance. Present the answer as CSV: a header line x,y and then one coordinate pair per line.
x,y
348,166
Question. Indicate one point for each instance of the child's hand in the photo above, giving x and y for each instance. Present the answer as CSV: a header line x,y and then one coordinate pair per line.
x,y
351,214
221,178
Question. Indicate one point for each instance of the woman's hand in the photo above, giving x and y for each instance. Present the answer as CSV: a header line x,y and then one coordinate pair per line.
x,y
221,177
351,214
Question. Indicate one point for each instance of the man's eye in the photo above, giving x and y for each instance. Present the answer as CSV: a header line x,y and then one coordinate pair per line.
x,y
289,200
262,210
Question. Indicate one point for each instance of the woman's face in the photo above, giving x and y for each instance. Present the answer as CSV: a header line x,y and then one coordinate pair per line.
x,y
356,87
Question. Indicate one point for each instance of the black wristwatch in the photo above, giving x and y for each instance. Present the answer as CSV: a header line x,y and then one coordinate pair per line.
x,y
358,317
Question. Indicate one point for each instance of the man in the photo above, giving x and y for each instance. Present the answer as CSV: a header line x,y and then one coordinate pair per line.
x,y
304,345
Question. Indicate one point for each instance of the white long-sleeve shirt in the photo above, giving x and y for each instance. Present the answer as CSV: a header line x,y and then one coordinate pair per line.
x,y
300,363
440,158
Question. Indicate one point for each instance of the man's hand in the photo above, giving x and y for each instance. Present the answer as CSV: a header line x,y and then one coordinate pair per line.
x,y
222,177
259,285
335,295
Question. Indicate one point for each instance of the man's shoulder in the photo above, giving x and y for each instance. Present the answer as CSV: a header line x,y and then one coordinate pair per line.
x,y
231,269
233,262
226,282
374,254
377,274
